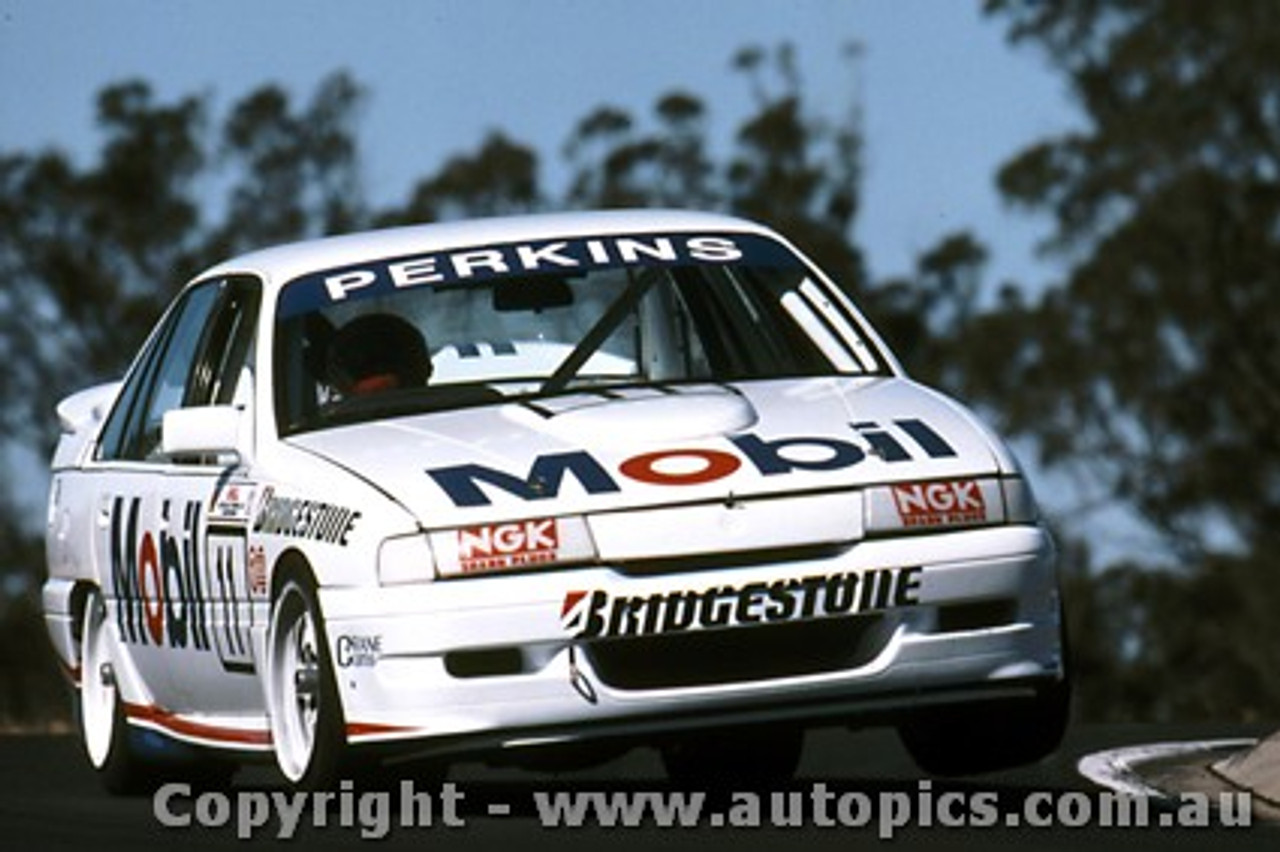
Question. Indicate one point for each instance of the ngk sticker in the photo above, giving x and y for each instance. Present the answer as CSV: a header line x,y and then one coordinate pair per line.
x,y
495,547
517,545
956,502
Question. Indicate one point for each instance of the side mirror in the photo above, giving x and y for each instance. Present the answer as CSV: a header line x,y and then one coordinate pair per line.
x,y
206,430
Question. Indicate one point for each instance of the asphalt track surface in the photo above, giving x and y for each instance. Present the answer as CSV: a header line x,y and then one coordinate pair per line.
x,y
50,800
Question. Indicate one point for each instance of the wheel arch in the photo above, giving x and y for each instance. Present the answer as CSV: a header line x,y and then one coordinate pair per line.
x,y
76,603
293,564
133,687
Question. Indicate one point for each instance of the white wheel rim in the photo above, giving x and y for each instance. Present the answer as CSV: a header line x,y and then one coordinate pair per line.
x,y
295,678
98,694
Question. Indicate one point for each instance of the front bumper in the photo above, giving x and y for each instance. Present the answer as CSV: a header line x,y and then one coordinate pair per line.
x,y
507,660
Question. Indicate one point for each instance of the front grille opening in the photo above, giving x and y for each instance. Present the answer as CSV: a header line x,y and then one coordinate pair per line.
x,y
488,662
741,654
977,615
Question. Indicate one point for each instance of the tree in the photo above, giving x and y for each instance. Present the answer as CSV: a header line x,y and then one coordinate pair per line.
x,y
933,319
797,172
91,256
617,165
500,178
295,175
1170,200
1156,363
788,167
83,254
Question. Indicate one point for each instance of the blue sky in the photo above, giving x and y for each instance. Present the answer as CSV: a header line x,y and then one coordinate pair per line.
x,y
945,99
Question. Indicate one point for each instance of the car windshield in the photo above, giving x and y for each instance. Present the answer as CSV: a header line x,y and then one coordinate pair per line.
x,y
523,321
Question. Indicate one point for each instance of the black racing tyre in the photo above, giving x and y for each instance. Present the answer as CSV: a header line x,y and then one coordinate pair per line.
x,y
988,737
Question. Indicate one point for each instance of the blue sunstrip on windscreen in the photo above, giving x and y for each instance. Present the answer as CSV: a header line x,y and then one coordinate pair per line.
x,y
383,276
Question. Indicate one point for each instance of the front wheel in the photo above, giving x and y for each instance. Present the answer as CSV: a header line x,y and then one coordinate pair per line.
x,y
307,726
988,737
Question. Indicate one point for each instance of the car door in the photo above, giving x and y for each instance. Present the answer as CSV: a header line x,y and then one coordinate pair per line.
x,y
172,556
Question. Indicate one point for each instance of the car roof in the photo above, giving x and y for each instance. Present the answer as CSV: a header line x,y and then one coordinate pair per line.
x,y
280,264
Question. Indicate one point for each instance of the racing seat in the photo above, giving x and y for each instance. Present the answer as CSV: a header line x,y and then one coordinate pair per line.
x,y
375,353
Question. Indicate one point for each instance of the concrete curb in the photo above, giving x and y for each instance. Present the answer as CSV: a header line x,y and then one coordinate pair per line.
x,y
1256,769
1138,770
1164,771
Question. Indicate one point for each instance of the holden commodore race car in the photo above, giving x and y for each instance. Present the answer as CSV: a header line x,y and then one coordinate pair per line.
x,y
554,484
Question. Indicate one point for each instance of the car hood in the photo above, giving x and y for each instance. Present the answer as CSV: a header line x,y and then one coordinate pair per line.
x,y
633,449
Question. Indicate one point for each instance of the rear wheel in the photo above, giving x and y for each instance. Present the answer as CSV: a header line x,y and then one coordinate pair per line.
x,y
307,727
102,724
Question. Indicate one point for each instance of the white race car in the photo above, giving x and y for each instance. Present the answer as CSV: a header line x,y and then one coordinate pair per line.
x,y
536,486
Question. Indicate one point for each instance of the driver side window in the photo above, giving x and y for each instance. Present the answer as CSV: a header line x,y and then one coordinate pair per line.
x,y
194,358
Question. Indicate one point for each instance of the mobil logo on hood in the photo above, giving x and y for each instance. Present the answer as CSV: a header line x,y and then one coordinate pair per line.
x,y
908,439
589,452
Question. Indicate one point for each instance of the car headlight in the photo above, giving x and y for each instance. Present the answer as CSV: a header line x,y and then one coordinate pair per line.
x,y
513,546
405,559
942,504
